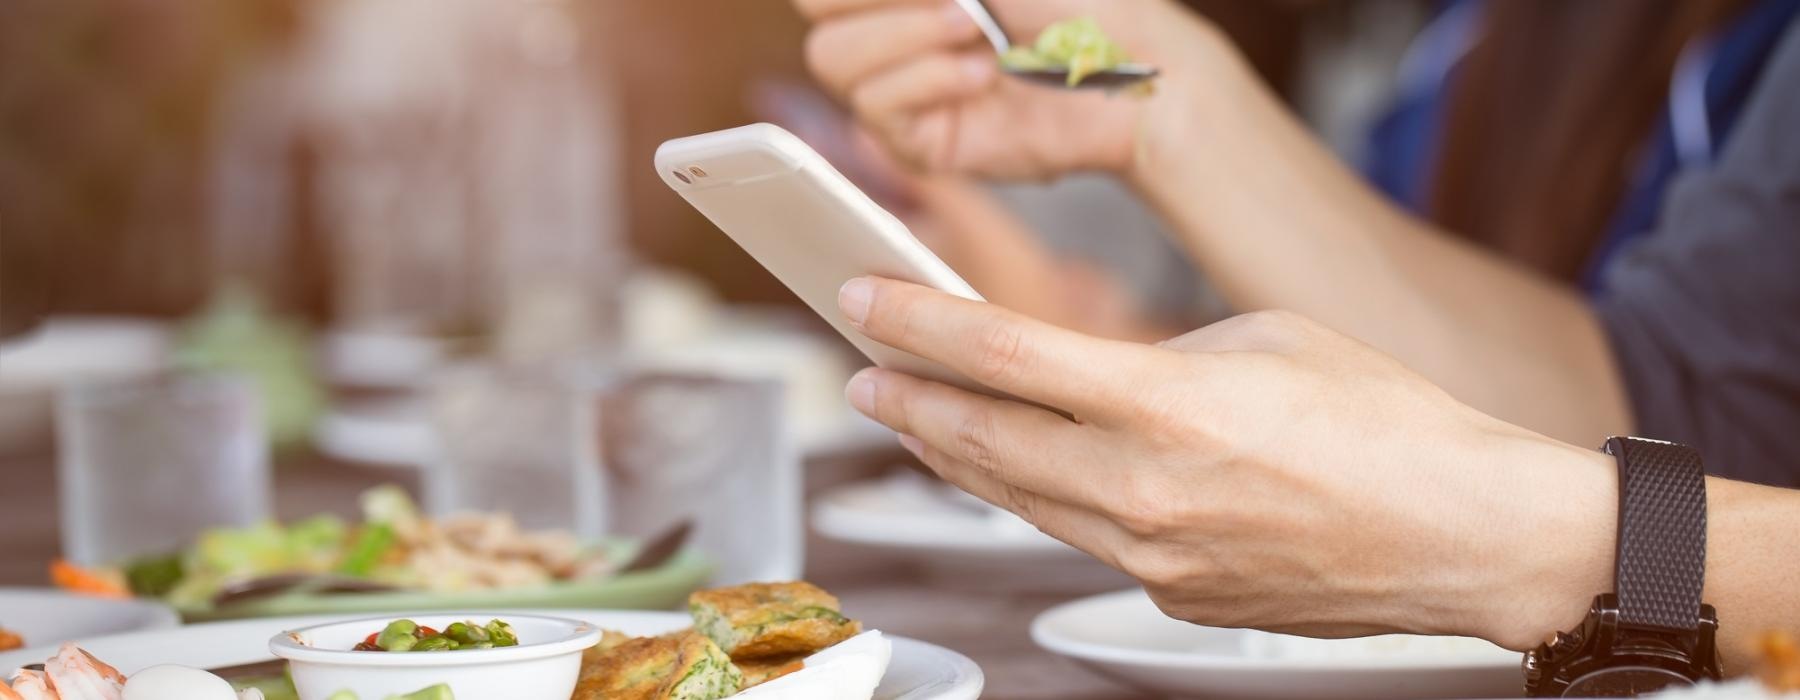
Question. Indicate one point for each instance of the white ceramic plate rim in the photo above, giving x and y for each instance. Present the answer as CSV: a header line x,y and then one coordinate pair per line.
x,y
576,635
1045,633
155,616
952,676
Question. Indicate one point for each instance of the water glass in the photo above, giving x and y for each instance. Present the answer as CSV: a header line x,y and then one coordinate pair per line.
x,y
518,440
711,450
145,465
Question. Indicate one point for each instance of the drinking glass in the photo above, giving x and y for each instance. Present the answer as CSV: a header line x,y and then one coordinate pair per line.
x,y
517,440
145,465
711,450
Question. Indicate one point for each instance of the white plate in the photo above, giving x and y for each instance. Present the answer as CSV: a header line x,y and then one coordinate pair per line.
x,y
919,671
1123,636
906,511
47,617
970,543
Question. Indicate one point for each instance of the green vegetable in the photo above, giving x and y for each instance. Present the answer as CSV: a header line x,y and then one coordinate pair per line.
x,y
399,635
1077,45
364,552
465,633
437,643
405,635
436,692
502,634
154,576
273,687
389,505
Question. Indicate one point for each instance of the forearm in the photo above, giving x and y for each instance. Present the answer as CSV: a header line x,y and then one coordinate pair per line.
x,y
1276,221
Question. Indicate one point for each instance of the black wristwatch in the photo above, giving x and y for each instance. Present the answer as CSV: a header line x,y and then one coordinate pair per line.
x,y
1652,632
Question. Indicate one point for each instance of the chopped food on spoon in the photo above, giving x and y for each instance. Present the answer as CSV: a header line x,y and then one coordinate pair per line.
x,y
1076,45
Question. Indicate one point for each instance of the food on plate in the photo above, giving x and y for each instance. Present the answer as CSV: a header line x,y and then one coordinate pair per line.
x,y
680,666
759,671
1779,669
436,692
1077,45
760,620
74,674
10,640
393,546
776,628
406,635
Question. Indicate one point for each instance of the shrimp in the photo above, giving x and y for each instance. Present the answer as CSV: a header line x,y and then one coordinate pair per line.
x,y
77,675
30,685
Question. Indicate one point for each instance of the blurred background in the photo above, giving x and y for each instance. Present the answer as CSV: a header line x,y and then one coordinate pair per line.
x,y
258,257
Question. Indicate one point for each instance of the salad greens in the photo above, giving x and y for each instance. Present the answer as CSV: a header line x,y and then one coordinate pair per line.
x,y
322,544
1077,45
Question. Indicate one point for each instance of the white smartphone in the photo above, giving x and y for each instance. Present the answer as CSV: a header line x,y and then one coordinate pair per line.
x,y
792,211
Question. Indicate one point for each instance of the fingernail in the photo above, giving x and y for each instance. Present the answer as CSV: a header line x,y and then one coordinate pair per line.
x,y
861,393
854,298
913,445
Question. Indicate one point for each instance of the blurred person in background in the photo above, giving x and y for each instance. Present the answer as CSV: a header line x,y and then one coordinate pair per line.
x,y
1538,139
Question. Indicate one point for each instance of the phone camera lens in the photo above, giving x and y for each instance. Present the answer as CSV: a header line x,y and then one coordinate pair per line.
x,y
682,177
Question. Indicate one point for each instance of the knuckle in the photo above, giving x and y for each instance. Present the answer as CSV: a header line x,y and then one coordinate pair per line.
x,y
975,439
1141,510
1156,569
1000,351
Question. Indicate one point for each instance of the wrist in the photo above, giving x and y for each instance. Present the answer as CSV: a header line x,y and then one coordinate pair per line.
x,y
1206,84
1555,544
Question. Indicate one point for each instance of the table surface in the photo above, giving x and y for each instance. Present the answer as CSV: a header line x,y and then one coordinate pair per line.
x,y
888,592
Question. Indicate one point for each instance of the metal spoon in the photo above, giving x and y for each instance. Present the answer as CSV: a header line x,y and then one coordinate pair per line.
x,y
1120,76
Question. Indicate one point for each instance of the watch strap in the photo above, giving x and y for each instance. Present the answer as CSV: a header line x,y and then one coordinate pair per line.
x,y
1661,561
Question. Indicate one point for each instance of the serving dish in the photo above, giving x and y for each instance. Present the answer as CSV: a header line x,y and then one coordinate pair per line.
x,y
542,667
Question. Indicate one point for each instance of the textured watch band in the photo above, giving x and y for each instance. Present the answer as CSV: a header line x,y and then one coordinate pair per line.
x,y
1662,533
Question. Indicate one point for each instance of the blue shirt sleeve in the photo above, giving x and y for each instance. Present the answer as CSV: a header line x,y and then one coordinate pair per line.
x,y
1704,314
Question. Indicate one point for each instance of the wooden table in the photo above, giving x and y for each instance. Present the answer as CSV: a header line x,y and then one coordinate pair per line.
x,y
888,592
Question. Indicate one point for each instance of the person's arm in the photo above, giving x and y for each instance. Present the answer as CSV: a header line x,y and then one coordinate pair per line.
x,y
1278,222
1267,472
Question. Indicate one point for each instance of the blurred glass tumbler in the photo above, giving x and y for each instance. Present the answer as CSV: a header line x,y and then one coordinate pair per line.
x,y
146,465
516,440
711,450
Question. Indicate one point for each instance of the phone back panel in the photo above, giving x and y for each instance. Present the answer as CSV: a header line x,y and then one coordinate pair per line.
x,y
797,216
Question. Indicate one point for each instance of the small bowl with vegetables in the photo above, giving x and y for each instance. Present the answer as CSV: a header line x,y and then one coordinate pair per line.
x,y
488,655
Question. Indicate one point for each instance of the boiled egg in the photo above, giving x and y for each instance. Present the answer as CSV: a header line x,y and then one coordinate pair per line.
x,y
177,683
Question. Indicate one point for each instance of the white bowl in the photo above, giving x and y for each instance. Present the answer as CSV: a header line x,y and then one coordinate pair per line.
x,y
544,665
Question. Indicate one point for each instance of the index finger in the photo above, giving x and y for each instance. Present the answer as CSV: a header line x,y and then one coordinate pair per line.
x,y
819,9
1086,376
